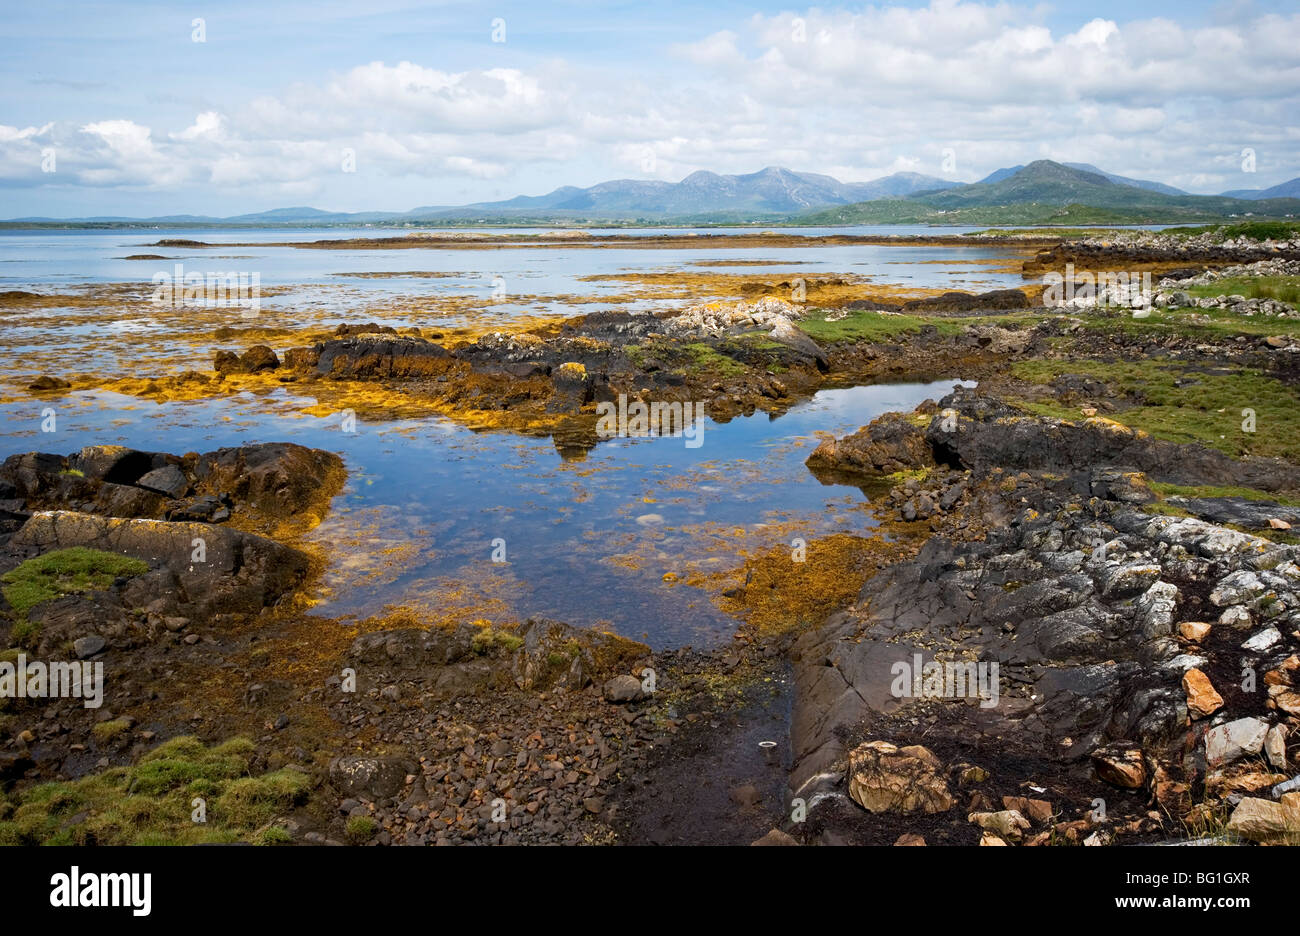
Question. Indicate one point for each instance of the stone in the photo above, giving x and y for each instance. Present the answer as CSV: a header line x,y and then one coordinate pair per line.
x,y
1120,765
46,382
1266,639
774,838
241,571
369,777
910,839
1202,699
622,689
168,480
1275,746
1009,824
88,646
258,358
1035,810
1227,742
1260,820
1195,631
1238,588
1235,617
886,778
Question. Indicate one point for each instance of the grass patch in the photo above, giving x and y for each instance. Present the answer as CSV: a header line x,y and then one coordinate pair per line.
x,y
488,641
1210,491
865,325
1209,325
64,572
1251,230
693,359
1282,288
361,829
151,802
1182,404
107,731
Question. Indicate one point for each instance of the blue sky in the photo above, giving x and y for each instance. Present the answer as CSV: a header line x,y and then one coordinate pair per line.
x,y
141,120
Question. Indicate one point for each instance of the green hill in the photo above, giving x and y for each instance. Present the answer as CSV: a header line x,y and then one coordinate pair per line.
x,y
1047,192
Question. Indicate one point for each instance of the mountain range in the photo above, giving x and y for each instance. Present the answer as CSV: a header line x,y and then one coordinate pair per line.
x,y
1041,192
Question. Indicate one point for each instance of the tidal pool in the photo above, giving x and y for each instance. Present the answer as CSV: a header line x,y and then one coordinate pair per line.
x,y
588,541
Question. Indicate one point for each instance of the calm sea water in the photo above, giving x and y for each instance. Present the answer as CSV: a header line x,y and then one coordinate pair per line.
x,y
427,502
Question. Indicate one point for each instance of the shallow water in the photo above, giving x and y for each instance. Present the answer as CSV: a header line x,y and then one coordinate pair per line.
x,y
604,539
586,541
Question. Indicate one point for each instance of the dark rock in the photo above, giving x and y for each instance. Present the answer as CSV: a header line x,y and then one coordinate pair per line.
x,y
168,480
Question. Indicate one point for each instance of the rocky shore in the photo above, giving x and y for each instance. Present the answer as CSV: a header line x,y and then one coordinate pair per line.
x,y
1078,620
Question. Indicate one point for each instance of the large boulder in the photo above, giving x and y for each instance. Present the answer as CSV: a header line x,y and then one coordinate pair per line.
x,y
213,568
980,432
886,778
278,479
891,443
372,356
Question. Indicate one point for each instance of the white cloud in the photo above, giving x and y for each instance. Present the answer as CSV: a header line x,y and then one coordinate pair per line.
x,y
852,93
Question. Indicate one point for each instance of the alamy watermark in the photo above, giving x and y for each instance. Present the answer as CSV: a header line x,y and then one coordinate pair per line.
x,y
640,420
229,290
55,680
949,679
1087,288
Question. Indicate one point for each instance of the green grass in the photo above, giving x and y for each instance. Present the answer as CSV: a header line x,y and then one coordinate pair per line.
x,y
1251,230
107,731
693,359
1207,408
1281,288
151,803
1209,325
361,829
64,572
864,325
488,640
1211,491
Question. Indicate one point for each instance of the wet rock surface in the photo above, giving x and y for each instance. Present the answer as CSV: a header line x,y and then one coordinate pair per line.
x,y
1108,683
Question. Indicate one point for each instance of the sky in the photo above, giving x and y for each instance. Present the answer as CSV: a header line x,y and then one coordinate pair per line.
x,y
146,108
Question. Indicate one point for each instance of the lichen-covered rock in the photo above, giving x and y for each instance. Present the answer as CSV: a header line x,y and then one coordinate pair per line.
x,y
886,778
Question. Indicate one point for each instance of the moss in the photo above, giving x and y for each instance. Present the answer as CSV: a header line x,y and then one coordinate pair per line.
x,y
1213,491
24,633
828,326
488,641
783,595
107,731
361,829
1281,288
252,801
908,474
1186,404
1165,510
151,803
275,835
64,572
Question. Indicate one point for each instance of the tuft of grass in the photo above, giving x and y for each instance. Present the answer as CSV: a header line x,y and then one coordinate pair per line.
x,y
361,829
276,835
107,731
64,572
488,640
151,803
